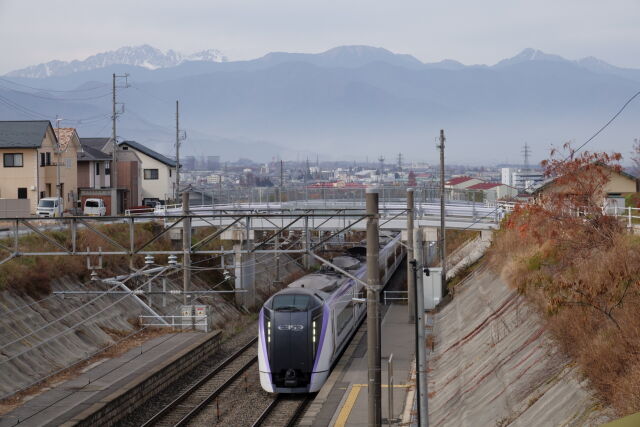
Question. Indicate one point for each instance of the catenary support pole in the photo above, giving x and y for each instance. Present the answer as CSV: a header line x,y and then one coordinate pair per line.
x,y
421,357
186,245
443,239
410,279
414,272
373,310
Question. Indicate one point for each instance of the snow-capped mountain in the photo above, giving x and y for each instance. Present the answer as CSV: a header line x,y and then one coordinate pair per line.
x,y
140,56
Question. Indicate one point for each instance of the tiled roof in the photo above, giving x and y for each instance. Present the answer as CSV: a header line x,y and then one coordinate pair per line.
x,y
23,134
459,180
484,186
89,153
149,152
65,135
95,143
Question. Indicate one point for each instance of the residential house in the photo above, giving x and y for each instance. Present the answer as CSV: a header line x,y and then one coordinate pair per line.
x,y
66,157
492,191
619,183
94,175
158,173
32,160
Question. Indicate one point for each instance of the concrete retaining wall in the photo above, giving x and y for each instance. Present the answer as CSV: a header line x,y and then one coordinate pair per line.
x,y
116,406
495,365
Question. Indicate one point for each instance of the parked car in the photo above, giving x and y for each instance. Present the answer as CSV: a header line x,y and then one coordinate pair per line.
x,y
94,207
50,207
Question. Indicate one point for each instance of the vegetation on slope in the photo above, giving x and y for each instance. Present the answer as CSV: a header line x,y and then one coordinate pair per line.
x,y
29,275
582,269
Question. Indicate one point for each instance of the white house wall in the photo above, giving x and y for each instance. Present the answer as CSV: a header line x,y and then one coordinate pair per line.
x,y
161,188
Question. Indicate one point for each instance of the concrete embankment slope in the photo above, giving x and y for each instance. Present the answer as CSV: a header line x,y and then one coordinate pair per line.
x,y
494,365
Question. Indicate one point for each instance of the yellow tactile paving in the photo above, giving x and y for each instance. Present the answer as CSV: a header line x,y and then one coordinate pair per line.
x,y
345,411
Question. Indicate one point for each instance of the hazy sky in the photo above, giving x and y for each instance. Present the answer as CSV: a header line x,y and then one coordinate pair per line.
x,y
471,31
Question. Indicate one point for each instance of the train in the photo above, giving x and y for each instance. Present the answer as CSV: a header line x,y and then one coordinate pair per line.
x,y
304,327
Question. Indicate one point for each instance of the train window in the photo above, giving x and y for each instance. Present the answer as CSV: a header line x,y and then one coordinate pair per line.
x,y
290,302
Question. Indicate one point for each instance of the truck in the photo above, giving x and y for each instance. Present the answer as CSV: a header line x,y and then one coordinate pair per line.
x,y
50,207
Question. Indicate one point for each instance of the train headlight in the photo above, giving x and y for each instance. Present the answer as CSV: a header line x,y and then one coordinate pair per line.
x,y
313,332
269,331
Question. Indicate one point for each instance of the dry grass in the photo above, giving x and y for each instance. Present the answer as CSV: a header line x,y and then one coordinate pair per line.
x,y
588,297
32,276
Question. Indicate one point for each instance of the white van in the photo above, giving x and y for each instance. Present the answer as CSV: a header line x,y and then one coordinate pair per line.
x,y
49,207
94,207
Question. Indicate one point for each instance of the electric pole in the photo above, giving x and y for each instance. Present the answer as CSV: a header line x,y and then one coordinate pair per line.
x,y
443,240
114,137
180,136
58,189
114,155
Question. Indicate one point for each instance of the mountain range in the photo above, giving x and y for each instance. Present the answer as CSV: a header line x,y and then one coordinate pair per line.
x,y
144,56
346,103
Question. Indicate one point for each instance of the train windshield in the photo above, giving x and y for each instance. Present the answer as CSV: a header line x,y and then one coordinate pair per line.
x,y
290,302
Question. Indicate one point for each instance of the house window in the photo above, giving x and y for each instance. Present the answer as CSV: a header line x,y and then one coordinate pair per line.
x,y
43,159
97,168
151,174
107,168
48,158
170,173
12,160
22,192
67,163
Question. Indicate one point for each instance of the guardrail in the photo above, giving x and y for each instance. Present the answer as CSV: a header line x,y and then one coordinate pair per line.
x,y
389,296
199,322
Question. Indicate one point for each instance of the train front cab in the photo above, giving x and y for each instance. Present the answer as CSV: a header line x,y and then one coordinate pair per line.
x,y
290,333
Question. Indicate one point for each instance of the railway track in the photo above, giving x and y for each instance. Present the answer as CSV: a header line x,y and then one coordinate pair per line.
x,y
283,411
189,404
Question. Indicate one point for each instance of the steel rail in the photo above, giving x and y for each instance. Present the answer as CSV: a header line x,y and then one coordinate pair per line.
x,y
276,402
166,410
195,411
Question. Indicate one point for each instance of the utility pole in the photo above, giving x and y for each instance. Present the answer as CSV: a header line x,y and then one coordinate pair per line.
x,y
410,256
58,189
186,245
114,137
443,240
177,189
373,310
114,166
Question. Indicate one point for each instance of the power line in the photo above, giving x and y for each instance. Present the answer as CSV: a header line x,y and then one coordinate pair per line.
x,y
88,98
615,116
102,85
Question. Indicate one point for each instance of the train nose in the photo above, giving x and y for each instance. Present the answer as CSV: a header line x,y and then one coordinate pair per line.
x,y
290,378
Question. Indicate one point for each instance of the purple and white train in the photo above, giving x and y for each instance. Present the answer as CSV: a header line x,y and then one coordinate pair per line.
x,y
304,327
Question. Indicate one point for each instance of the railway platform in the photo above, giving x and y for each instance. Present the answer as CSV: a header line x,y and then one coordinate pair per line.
x,y
343,399
66,402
